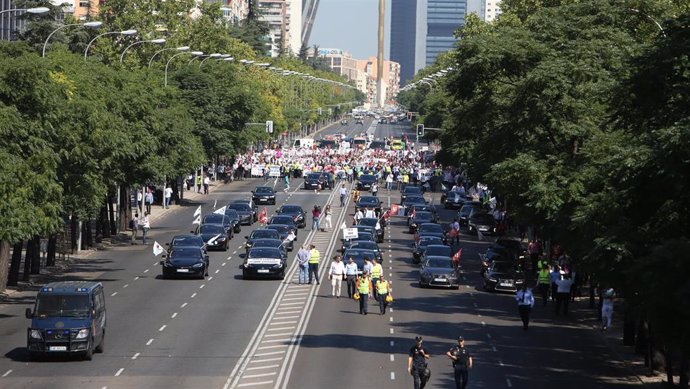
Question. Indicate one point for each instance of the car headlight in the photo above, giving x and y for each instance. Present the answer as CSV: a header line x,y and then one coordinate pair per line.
x,y
492,279
36,334
197,265
83,333
248,245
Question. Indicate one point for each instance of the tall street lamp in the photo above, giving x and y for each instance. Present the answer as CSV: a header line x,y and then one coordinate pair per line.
x,y
181,48
86,25
209,56
194,53
158,41
33,11
123,32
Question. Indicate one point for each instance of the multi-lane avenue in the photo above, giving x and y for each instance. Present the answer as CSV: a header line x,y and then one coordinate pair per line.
x,y
226,332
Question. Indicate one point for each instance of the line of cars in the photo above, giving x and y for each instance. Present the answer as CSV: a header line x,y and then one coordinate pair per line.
x,y
472,215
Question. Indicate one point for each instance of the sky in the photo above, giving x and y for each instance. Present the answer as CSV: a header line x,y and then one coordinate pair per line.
x,y
350,25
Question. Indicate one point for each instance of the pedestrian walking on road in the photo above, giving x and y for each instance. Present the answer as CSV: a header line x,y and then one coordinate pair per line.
x,y
134,225
148,200
336,274
363,289
544,283
198,183
286,180
351,274
554,276
207,182
167,196
417,364
607,308
525,301
315,217
462,362
383,289
374,189
563,286
327,221
303,264
314,258
376,274
145,226
343,195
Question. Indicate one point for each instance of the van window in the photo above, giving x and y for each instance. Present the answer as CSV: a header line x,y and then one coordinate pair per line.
x,y
62,305
99,301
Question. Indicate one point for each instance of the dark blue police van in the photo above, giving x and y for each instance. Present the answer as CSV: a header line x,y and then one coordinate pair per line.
x,y
68,318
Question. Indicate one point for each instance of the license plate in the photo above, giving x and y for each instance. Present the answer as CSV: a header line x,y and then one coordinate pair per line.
x,y
183,270
58,348
506,284
440,279
262,271
263,200
483,229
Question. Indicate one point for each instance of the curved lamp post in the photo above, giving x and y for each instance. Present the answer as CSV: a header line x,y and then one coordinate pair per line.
x,y
194,53
658,25
87,25
181,48
123,32
159,41
34,11
209,56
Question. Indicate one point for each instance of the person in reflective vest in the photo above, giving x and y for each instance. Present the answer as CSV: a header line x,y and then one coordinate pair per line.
x,y
363,288
544,282
376,273
314,257
382,290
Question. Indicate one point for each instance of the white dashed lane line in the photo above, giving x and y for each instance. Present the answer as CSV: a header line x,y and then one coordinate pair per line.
x,y
193,295
146,271
136,278
8,372
135,356
113,294
119,372
162,328
149,342
174,315
217,271
510,384
202,286
183,305
392,358
125,285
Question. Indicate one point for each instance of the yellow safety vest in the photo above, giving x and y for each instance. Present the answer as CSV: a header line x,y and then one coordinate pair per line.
x,y
376,271
314,256
406,178
544,277
364,285
382,287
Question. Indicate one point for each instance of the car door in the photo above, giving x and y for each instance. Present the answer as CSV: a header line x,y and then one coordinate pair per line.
x,y
99,316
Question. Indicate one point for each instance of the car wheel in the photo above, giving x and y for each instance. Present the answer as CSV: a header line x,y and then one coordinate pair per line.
x,y
282,275
227,246
101,346
245,276
88,354
421,285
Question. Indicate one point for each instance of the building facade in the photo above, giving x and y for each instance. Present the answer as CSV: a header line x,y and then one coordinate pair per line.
x,y
284,18
234,10
403,36
391,79
443,18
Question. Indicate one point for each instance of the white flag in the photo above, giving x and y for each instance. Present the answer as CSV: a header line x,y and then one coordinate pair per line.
x,y
343,226
157,249
197,212
215,203
221,210
213,240
197,220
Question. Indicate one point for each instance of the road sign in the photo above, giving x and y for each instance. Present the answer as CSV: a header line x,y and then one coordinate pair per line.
x,y
350,233
269,126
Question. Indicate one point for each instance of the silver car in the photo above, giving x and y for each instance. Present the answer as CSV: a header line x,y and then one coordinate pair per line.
x,y
439,271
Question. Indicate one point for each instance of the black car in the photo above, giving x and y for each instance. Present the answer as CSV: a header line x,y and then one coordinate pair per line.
x,y
284,219
361,236
503,276
482,222
422,244
436,250
261,233
264,262
274,243
365,181
377,145
235,219
215,236
187,241
367,245
467,210
419,218
264,195
185,262
358,255
217,218
413,201
297,213
422,208
245,212
373,223
369,202
313,180
430,229
328,144
439,271
252,206
283,232
454,200
410,191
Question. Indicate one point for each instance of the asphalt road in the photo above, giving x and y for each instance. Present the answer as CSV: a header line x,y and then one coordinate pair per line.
x,y
229,332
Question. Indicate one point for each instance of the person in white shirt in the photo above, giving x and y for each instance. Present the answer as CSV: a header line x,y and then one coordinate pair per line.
x,y
145,226
207,182
167,195
336,274
351,271
358,215
343,195
563,286
607,308
370,213
525,301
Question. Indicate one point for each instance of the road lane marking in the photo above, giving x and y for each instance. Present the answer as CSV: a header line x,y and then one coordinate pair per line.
x,y
119,372
217,271
390,309
174,315
281,328
255,383
260,375
265,360
8,372
392,331
270,353
390,318
202,286
263,367
392,358
393,376
146,271
125,285
113,294
282,334
493,348
135,356
483,323
510,384
149,342
392,343
183,305
223,264
136,278
162,328
210,278
193,295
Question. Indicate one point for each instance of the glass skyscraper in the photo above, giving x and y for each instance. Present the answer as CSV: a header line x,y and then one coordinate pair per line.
x,y
443,18
403,34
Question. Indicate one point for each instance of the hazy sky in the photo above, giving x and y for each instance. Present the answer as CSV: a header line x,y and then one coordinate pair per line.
x,y
350,25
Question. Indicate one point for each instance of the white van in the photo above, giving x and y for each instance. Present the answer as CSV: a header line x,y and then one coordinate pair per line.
x,y
303,143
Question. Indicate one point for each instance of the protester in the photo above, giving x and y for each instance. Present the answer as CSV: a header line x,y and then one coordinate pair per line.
x,y
336,274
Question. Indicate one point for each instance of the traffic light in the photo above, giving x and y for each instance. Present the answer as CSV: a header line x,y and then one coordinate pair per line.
x,y
420,130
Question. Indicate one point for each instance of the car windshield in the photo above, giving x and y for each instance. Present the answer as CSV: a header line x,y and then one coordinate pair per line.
x,y
483,218
282,229
48,305
377,145
291,209
440,262
369,200
367,177
415,200
368,245
420,216
369,222
211,229
214,218
504,267
240,207
263,190
258,234
362,235
264,252
187,241
430,227
466,209
428,240
409,190
282,220
185,253
232,214
438,250
267,243
358,255
314,176
509,244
